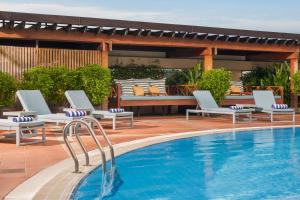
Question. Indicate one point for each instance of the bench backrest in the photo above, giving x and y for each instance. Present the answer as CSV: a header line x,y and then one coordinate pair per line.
x,y
127,85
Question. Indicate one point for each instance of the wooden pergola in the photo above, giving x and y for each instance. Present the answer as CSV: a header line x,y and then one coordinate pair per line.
x,y
181,40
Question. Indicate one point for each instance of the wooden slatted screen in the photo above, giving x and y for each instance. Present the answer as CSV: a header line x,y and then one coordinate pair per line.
x,y
15,60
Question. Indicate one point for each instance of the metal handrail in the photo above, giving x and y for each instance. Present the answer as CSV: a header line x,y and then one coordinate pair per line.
x,y
93,121
76,123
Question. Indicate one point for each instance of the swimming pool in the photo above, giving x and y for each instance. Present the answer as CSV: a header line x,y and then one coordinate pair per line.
x,y
256,164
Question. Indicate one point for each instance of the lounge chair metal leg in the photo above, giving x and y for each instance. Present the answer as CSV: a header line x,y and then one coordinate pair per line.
x,y
43,135
114,123
18,137
187,115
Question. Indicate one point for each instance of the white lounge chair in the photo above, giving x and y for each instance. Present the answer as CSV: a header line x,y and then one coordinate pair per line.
x,y
33,100
23,130
264,99
79,100
207,104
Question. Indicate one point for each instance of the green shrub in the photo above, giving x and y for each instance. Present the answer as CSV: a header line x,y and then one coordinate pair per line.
x,y
8,87
96,82
281,77
39,78
217,81
277,74
58,75
137,71
54,81
254,77
176,77
296,80
194,75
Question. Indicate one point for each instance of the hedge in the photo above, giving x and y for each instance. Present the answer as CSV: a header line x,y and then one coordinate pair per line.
x,y
217,81
8,87
53,82
137,71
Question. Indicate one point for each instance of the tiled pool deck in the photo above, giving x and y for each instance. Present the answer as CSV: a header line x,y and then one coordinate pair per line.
x,y
20,163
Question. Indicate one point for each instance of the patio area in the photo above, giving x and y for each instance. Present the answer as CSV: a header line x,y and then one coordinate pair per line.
x,y
20,163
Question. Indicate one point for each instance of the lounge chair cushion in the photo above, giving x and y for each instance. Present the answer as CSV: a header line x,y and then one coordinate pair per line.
x,y
236,107
116,110
280,106
22,119
79,113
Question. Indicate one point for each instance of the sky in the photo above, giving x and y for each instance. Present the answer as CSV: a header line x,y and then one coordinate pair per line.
x,y
264,15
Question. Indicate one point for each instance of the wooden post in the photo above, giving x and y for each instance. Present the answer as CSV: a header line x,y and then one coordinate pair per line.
x,y
207,59
293,59
105,47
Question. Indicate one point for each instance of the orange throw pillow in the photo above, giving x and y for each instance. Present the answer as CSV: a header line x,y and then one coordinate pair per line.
x,y
153,90
138,91
235,89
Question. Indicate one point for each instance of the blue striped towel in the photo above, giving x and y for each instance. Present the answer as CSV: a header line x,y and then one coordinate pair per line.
x,y
80,113
280,106
116,110
22,119
236,107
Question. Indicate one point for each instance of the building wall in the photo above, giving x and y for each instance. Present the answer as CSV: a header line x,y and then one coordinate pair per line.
x,y
236,64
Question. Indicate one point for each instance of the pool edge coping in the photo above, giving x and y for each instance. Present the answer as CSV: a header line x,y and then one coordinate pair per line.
x,y
31,187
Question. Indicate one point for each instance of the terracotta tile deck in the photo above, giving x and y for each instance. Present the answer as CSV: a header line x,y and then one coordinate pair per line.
x,y
20,163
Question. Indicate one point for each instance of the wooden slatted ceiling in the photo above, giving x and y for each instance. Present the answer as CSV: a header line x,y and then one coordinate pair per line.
x,y
15,60
122,27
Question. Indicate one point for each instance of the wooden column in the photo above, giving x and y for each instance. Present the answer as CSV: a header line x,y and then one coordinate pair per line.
x,y
207,59
293,59
105,48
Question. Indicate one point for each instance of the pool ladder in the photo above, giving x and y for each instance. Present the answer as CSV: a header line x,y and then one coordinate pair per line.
x,y
90,123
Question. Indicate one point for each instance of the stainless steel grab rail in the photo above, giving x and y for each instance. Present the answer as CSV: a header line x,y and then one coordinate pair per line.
x,y
76,124
92,121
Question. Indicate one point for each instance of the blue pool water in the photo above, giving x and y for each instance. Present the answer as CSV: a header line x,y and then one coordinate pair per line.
x,y
261,164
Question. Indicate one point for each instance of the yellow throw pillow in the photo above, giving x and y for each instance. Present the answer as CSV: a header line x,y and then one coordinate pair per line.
x,y
138,91
153,90
235,89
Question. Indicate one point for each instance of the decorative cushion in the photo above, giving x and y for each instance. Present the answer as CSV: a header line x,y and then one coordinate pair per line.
x,y
116,110
280,106
144,83
76,113
236,107
153,90
126,86
161,84
138,90
235,89
22,119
